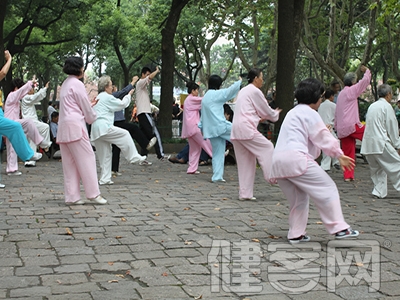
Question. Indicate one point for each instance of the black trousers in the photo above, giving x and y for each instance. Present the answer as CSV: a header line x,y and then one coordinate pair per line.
x,y
136,134
150,130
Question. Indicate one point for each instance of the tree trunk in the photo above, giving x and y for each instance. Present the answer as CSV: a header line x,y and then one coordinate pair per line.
x,y
167,71
290,14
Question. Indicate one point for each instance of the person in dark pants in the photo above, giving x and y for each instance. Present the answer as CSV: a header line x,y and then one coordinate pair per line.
x,y
146,122
134,131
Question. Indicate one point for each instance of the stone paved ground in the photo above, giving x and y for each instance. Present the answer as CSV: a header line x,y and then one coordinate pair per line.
x,y
153,238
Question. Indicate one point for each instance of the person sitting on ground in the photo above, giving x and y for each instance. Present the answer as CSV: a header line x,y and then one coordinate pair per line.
x,y
183,157
54,129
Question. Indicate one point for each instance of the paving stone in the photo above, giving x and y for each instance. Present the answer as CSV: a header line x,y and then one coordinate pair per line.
x,y
77,288
80,268
35,291
32,271
126,238
13,282
110,266
162,293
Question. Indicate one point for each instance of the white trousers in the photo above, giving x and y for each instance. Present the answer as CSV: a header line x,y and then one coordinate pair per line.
x,y
44,130
123,140
318,185
383,166
327,161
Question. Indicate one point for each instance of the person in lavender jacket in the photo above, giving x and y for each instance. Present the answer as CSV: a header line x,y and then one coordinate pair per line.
x,y
214,124
347,119
302,136
191,117
78,159
249,144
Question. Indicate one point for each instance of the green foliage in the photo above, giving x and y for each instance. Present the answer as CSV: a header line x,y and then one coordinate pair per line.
x,y
362,109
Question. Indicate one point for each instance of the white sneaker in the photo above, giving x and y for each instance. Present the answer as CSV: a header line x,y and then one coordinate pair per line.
x,y
138,159
2,186
151,143
252,198
107,183
30,164
99,200
116,173
219,180
36,156
15,173
145,163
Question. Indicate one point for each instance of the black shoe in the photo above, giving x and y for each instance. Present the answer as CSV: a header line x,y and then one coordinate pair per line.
x,y
48,153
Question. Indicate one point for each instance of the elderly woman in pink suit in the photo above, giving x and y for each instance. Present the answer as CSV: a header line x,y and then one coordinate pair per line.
x,y
190,130
302,136
78,159
249,144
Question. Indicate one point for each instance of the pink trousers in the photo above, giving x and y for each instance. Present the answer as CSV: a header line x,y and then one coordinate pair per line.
x,y
32,133
247,153
79,163
196,143
318,185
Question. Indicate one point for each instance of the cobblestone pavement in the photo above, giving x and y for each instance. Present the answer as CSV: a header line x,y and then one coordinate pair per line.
x,y
152,240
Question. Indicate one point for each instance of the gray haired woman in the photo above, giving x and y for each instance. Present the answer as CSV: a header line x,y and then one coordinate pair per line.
x,y
104,133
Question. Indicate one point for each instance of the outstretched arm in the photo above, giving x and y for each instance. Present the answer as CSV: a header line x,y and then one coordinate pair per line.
x,y
152,75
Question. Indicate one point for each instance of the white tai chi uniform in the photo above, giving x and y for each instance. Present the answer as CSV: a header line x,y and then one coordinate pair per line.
x,y
380,143
327,112
28,111
302,135
104,134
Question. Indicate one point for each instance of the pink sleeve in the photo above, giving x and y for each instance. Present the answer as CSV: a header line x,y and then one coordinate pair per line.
x,y
320,136
360,86
20,93
263,109
84,103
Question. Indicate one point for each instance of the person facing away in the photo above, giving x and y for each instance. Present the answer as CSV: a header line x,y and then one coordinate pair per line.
x,y
214,124
78,158
302,136
327,112
347,120
381,143
249,144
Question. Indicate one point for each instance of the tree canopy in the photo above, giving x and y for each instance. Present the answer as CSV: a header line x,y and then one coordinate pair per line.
x,y
193,40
